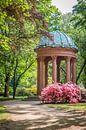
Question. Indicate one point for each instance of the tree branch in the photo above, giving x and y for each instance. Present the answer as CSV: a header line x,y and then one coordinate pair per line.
x,y
84,64
25,71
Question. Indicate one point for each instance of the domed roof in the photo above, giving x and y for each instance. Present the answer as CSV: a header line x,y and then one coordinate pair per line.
x,y
60,39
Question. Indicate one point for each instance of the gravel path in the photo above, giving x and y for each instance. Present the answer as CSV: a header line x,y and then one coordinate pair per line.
x,y
30,115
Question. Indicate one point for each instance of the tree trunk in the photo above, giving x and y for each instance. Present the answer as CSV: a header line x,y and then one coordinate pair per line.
x,y
15,84
14,89
16,80
6,90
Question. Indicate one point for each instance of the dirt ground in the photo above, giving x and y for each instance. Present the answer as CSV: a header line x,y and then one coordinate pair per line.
x,y
31,115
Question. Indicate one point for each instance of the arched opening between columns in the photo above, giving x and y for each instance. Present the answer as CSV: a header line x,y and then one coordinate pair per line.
x,y
62,71
50,72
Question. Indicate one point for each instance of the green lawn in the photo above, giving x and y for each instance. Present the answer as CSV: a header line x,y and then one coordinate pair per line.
x,y
78,106
10,98
3,114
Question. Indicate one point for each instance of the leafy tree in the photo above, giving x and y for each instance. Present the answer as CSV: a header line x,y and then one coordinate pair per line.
x,y
67,25
22,23
80,22
79,11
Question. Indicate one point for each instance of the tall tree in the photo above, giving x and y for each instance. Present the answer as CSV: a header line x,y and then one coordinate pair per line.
x,y
79,11
79,17
21,23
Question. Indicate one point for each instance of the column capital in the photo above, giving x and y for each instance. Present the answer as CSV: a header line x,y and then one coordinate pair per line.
x,y
41,58
54,57
68,59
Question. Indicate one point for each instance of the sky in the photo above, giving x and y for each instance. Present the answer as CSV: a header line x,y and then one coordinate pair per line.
x,y
64,6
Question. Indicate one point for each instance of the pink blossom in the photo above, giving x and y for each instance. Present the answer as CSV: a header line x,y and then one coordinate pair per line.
x,y
58,92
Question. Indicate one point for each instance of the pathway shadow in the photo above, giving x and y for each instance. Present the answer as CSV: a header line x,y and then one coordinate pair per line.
x,y
73,118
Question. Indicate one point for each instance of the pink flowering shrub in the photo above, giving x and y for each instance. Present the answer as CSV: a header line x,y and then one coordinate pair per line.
x,y
71,93
56,93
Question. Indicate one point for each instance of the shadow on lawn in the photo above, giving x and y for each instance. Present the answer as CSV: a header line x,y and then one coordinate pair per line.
x,y
77,119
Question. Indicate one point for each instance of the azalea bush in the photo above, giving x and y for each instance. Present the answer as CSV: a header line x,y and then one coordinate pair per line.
x,y
63,93
71,93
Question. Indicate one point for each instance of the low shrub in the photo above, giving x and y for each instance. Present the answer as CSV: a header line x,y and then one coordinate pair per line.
x,y
1,89
33,90
21,91
63,93
10,90
30,91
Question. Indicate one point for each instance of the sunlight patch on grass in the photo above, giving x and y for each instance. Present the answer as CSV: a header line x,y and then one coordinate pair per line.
x,y
3,114
78,106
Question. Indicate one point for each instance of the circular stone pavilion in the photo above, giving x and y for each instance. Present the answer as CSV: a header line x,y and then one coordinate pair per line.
x,y
61,47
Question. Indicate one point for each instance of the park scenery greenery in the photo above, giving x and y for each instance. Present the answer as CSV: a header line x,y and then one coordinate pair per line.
x,y
22,23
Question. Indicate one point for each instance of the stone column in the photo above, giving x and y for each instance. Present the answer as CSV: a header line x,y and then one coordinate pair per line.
x,y
74,70
71,69
58,70
38,75
41,75
46,72
68,69
54,69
